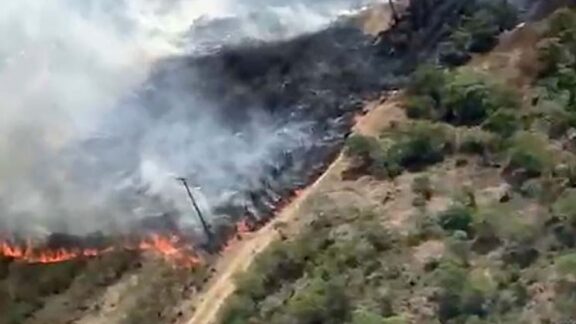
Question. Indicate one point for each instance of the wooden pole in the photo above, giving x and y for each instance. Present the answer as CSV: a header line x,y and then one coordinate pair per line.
x,y
197,209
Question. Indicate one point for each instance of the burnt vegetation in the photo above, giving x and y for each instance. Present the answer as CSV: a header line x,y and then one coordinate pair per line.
x,y
504,255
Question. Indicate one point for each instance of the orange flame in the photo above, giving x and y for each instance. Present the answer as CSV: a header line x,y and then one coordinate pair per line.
x,y
170,248
29,254
242,227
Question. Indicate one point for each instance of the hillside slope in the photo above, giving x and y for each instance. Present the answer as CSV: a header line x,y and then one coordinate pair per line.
x,y
461,212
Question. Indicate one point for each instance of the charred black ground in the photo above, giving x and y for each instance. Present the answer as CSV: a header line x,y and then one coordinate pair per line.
x,y
319,80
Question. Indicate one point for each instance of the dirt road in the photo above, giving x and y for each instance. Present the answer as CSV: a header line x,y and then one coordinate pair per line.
x,y
239,257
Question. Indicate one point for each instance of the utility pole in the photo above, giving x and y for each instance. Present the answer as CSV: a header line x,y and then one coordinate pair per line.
x,y
197,209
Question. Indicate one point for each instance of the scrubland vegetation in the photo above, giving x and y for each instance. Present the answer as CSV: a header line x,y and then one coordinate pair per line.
x,y
503,259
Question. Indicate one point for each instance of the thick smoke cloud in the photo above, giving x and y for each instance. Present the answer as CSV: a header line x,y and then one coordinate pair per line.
x,y
78,150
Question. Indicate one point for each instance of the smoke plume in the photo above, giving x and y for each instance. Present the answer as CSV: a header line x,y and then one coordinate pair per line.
x,y
88,142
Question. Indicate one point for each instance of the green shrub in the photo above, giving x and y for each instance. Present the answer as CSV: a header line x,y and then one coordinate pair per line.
x,y
503,122
395,320
238,309
553,55
506,224
366,317
483,31
319,302
422,186
552,117
565,207
458,297
421,107
419,145
562,22
469,99
456,218
529,152
428,81
480,142
566,265
478,31
360,146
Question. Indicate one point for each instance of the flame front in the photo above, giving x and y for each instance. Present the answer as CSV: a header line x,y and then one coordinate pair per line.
x,y
170,248
31,255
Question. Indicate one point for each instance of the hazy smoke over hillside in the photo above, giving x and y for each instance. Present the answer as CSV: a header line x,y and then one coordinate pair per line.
x,y
77,150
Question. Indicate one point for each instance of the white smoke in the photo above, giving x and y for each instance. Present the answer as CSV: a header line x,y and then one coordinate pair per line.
x,y
66,69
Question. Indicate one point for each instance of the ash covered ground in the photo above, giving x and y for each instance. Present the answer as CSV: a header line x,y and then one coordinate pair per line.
x,y
251,106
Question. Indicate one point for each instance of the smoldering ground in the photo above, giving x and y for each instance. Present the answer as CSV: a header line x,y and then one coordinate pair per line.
x,y
94,128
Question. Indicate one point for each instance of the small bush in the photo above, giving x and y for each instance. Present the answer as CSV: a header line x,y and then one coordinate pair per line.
x,y
483,31
421,107
529,153
561,23
456,218
238,309
479,142
360,146
566,265
469,99
503,122
428,81
565,207
505,224
420,145
395,320
458,296
320,302
422,186
366,317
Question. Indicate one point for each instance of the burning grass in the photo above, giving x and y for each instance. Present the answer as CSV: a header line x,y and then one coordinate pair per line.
x,y
169,247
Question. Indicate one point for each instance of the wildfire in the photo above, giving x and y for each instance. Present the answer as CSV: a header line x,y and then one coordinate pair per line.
x,y
242,227
170,248
31,255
